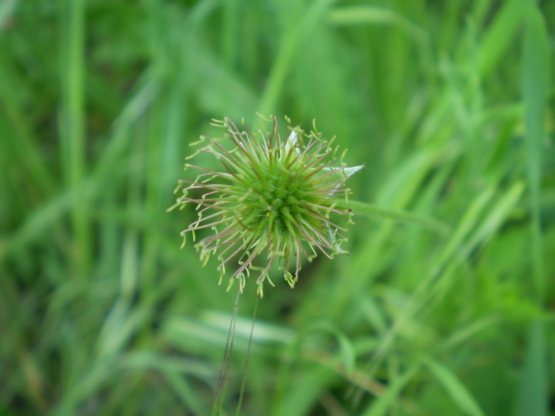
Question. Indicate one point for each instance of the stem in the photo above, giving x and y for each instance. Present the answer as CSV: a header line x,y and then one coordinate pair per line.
x,y
246,370
224,370
376,212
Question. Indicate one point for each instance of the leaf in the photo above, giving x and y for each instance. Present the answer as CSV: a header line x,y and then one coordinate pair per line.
x,y
346,350
455,388
534,396
374,211
389,398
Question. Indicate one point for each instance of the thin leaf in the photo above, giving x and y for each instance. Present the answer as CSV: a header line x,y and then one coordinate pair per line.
x,y
455,388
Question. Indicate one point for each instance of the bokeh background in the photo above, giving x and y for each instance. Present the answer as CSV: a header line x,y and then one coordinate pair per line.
x,y
448,105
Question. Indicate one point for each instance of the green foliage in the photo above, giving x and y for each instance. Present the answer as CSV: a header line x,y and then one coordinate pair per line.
x,y
445,307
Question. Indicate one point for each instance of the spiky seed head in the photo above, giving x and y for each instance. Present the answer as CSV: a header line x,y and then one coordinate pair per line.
x,y
274,203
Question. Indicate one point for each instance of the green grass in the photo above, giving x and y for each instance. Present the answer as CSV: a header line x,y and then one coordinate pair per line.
x,y
445,307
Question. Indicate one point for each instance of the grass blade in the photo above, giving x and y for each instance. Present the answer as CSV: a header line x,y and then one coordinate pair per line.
x,y
387,400
535,83
454,388
72,128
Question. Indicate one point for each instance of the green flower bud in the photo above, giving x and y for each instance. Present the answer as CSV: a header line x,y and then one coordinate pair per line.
x,y
273,204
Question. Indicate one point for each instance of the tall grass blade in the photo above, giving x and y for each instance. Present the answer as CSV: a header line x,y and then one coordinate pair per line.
x,y
72,127
535,84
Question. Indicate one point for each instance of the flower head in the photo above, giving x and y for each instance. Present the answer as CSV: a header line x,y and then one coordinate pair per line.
x,y
273,203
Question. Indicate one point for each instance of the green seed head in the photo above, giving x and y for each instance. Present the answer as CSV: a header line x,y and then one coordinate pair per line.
x,y
273,203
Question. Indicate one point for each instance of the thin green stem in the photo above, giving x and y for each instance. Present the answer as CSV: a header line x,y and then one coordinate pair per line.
x,y
247,360
224,370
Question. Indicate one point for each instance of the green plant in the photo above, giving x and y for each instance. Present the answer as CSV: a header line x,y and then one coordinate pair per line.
x,y
448,104
275,200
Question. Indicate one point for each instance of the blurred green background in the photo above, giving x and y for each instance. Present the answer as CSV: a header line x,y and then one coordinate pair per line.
x,y
448,105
